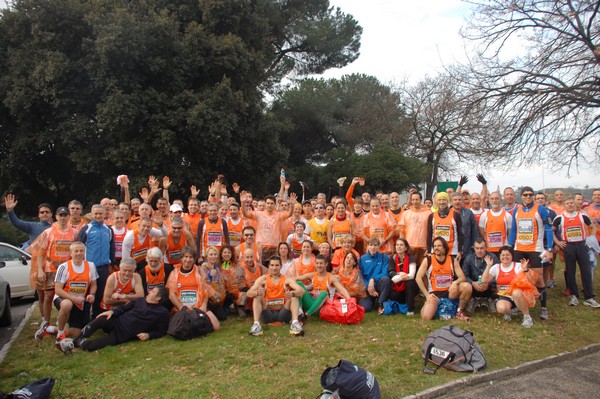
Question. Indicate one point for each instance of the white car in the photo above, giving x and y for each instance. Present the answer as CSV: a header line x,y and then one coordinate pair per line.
x,y
15,266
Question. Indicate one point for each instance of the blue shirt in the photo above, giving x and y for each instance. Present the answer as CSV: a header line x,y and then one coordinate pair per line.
x,y
373,266
34,229
100,243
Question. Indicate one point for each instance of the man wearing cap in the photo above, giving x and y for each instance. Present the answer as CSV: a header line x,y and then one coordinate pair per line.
x,y
99,240
532,238
52,248
447,223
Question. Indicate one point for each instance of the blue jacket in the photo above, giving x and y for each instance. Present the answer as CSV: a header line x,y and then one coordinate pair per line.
x,y
373,267
34,229
100,243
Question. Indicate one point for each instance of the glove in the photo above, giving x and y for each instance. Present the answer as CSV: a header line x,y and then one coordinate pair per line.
x,y
481,179
463,180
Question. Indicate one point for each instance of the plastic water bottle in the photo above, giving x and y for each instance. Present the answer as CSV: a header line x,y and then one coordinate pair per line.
x,y
480,281
282,173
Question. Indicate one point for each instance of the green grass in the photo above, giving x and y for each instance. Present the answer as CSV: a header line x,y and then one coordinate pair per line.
x,y
232,364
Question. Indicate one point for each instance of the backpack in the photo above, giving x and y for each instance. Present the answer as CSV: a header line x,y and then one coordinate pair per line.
x,y
189,323
350,382
454,349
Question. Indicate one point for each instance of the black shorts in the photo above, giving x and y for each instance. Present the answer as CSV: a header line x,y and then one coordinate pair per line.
x,y
441,294
535,262
509,299
270,316
78,318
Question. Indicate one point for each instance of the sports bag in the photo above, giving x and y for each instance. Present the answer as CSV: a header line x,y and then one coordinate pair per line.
x,y
393,307
342,310
446,308
40,389
454,349
189,323
350,381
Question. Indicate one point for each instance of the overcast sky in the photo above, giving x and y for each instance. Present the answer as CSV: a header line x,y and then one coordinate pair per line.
x,y
410,39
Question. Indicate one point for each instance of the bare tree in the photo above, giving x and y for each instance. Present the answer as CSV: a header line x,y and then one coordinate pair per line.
x,y
537,65
449,126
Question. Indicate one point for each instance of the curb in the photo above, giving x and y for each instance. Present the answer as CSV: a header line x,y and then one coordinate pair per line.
x,y
17,331
474,380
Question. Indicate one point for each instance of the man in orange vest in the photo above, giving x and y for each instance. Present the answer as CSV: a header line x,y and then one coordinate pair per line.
x,y
75,290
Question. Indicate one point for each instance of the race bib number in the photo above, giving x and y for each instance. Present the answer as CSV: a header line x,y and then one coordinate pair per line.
x,y
215,239
235,238
338,238
377,233
118,249
63,249
275,304
502,290
574,234
443,281
525,231
139,255
175,255
78,289
188,298
153,286
495,239
439,352
442,231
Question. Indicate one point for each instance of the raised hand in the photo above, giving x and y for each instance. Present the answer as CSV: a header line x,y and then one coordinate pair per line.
x,y
235,187
166,182
463,180
144,194
10,202
194,191
481,179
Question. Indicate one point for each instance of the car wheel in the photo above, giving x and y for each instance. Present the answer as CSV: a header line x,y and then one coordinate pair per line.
x,y
6,319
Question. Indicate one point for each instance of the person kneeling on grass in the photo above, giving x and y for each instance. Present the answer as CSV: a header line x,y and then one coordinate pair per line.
x,y
275,299
143,319
439,271
323,283
504,273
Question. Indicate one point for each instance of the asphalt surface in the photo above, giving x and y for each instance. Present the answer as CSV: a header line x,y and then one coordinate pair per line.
x,y
18,309
577,378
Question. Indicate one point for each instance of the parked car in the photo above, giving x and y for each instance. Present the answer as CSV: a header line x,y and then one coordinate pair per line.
x,y
15,266
5,316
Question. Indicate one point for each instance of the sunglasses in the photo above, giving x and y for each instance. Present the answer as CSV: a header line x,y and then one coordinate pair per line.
x,y
44,211
319,207
527,195
248,235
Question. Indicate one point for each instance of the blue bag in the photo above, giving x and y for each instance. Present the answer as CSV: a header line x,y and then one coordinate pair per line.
x,y
446,308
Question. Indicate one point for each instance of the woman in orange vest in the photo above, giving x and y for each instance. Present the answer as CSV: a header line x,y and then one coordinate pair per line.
x,y
504,273
340,226
350,277
213,276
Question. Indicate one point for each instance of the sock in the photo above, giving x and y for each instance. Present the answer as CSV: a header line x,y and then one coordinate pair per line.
x,y
51,329
60,332
294,321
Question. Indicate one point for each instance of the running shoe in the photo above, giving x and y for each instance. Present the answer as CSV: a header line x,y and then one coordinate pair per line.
x,y
591,302
41,332
507,317
551,284
296,329
573,301
544,313
527,321
256,329
461,316
491,304
64,344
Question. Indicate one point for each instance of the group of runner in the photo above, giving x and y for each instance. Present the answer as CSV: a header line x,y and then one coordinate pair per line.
x,y
280,259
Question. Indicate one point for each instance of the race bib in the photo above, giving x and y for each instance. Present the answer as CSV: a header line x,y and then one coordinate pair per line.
x,y
215,239
502,290
574,234
377,233
495,239
62,249
153,286
338,238
525,231
139,255
275,304
443,281
442,231
235,238
78,289
118,250
189,298
175,255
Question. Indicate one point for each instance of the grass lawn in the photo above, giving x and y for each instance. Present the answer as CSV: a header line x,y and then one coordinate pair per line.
x,y
232,364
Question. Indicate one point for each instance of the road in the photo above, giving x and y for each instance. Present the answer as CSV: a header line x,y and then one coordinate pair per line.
x,y
18,309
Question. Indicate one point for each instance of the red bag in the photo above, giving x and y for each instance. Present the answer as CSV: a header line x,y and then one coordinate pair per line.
x,y
342,310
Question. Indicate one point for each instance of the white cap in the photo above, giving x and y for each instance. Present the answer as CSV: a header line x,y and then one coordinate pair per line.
x,y
176,208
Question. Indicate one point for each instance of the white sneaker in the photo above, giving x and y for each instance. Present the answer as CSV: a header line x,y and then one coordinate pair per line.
x,y
527,321
410,313
491,305
471,305
41,332
573,301
591,302
256,329
296,329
